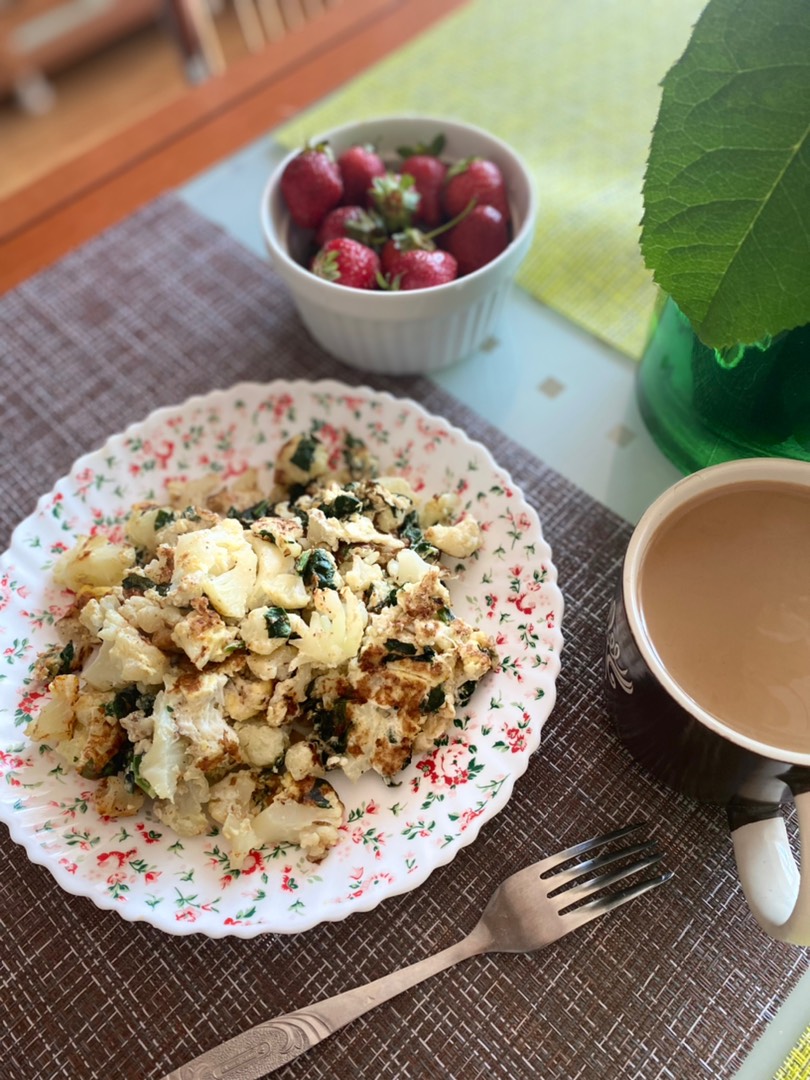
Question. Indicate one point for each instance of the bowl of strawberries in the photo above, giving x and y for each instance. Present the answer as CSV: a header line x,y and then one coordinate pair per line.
x,y
399,239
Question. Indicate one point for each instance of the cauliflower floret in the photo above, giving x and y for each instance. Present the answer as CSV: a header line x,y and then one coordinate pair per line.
x,y
363,574
114,799
161,764
303,759
300,460
331,532
262,745
57,717
246,698
124,657
408,567
275,666
288,591
230,806
459,540
202,635
216,562
264,630
94,562
306,812
335,628
93,613
197,702
271,563
95,738
185,812
140,528
284,705
286,533
149,615
441,509
397,485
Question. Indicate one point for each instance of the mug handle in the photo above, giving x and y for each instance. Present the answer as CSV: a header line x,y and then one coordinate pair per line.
x,y
777,894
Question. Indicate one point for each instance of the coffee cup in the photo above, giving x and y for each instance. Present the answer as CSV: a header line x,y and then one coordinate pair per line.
x,y
707,664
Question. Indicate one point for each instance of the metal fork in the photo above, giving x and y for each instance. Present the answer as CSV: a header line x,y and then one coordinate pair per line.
x,y
530,909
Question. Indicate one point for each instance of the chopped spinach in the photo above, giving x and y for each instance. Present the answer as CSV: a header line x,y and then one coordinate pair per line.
x,y
278,623
302,516
332,726
316,795
445,615
317,569
140,583
342,507
250,514
163,518
304,455
465,692
66,658
403,650
132,775
434,700
129,700
400,648
411,531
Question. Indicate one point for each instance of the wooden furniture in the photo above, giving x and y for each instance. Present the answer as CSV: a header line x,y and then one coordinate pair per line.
x,y
41,37
104,185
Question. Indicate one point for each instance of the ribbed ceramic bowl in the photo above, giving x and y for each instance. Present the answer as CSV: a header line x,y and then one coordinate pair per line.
x,y
413,332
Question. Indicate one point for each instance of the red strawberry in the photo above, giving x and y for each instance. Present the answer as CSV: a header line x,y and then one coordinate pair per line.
x,y
428,174
355,222
474,178
311,185
410,260
477,239
358,166
347,262
420,269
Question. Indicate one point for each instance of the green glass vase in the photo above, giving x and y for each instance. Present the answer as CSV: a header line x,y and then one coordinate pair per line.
x,y
702,407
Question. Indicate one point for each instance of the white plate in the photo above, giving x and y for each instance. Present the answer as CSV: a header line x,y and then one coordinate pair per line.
x,y
394,836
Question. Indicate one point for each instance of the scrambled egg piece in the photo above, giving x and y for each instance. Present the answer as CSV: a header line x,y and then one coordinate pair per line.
x,y
240,645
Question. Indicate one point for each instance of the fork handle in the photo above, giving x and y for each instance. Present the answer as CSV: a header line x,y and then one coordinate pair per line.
x,y
266,1047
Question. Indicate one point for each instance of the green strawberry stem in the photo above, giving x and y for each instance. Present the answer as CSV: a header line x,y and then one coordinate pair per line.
x,y
415,239
431,149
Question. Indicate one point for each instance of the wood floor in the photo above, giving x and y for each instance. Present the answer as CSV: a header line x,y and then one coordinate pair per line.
x,y
97,98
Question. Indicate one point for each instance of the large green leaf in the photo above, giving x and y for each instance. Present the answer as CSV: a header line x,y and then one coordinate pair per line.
x,y
726,225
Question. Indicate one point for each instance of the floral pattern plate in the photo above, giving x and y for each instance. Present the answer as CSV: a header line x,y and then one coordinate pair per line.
x,y
393,836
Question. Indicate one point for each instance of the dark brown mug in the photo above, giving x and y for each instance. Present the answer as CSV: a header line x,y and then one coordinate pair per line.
x,y
693,750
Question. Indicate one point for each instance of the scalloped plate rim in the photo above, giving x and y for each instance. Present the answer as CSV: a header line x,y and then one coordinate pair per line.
x,y
338,912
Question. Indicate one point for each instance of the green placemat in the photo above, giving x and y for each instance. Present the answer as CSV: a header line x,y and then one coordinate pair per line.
x,y
573,86
797,1063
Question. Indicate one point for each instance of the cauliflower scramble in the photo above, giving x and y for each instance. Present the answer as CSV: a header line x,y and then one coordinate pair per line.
x,y
237,647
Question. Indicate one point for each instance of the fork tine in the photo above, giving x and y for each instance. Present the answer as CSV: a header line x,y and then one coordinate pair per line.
x,y
560,878
601,905
544,865
601,881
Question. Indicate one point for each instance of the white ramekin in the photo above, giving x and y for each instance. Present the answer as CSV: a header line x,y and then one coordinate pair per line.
x,y
423,330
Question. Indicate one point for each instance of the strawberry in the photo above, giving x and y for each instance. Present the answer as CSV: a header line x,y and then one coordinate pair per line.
x,y
428,176
356,222
477,239
423,164
474,178
347,262
417,268
358,166
311,185
395,199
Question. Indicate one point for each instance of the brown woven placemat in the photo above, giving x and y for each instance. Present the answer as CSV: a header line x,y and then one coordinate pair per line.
x,y
678,985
